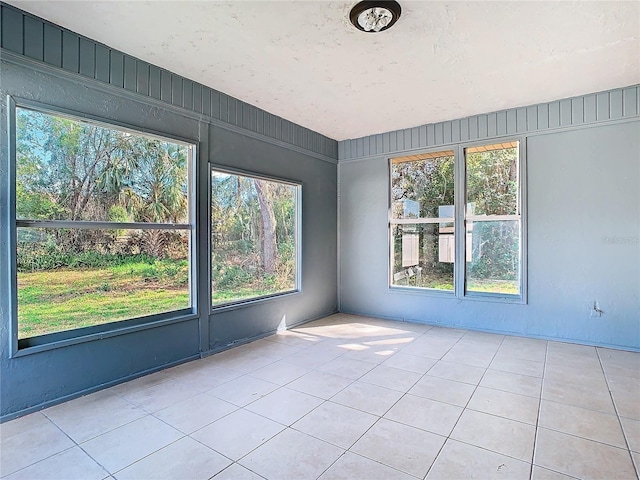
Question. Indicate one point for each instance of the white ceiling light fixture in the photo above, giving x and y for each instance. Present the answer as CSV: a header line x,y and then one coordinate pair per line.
x,y
375,16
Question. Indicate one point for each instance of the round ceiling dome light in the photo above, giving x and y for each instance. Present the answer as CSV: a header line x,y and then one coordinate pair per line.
x,y
375,16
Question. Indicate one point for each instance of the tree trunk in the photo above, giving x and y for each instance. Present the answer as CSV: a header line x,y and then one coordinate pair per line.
x,y
268,226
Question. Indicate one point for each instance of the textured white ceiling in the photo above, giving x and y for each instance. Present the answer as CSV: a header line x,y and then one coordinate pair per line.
x,y
302,60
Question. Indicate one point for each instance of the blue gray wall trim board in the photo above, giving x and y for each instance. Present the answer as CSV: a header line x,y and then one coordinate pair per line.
x,y
42,41
46,65
595,108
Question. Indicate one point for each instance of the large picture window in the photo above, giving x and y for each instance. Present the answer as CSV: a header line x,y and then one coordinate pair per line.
x,y
104,224
254,237
456,221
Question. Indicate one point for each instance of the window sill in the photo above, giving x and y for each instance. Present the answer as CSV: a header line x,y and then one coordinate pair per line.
x,y
225,307
470,296
496,298
428,292
42,345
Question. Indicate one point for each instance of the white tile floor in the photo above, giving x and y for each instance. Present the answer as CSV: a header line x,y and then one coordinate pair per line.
x,y
350,397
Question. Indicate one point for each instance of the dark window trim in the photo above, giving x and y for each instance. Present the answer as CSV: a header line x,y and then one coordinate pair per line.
x,y
54,340
233,305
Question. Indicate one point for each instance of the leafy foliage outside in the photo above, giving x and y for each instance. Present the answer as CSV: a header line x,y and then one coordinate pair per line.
x,y
425,189
69,170
253,233
427,184
492,189
77,171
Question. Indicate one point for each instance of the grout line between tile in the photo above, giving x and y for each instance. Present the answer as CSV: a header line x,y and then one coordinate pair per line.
x,y
535,438
148,455
615,407
76,444
463,409
328,342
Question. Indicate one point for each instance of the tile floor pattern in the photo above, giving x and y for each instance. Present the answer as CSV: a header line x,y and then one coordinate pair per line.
x,y
350,397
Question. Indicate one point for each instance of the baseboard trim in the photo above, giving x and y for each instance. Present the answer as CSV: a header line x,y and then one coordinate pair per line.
x,y
626,348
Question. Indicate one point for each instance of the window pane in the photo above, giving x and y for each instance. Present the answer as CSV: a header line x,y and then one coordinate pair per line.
x,y
69,278
495,257
492,180
74,170
253,228
423,255
422,188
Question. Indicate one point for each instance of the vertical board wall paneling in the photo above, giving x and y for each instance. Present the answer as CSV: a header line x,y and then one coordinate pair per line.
x,y
446,132
577,111
12,30
532,118
155,83
615,108
464,130
103,63
543,116
455,131
415,137
176,90
232,112
554,114
565,112
492,125
594,108
116,76
422,136
34,38
130,74
393,141
187,94
590,106
501,119
224,108
142,77
602,106
512,122
431,135
197,97
52,46
87,58
165,86
521,120
483,127
71,52
207,103
630,101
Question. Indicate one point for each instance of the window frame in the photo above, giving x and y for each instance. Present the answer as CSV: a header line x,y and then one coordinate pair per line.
x,y
417,221
53,340
221,307
460,224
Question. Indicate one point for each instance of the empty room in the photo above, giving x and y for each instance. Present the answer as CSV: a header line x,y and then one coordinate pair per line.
x,y
292,240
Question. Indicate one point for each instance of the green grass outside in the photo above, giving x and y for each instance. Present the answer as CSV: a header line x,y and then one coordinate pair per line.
x,y
63,299
494,286
442,282
221,297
